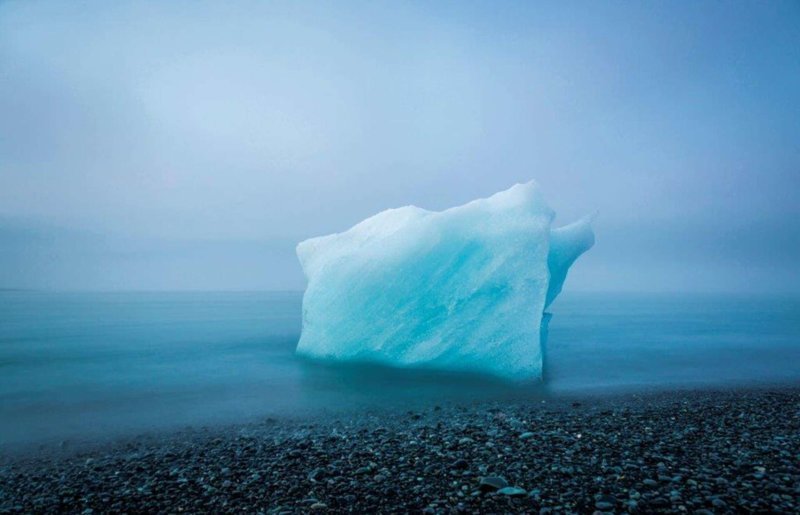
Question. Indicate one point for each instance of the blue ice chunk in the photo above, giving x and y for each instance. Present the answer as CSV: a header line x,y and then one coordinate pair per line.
x,y
461,289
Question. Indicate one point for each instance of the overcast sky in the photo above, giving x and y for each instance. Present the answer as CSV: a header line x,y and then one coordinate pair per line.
x,y
192,144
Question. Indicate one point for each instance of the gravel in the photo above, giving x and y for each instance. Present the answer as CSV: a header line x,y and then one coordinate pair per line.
x,y
682,452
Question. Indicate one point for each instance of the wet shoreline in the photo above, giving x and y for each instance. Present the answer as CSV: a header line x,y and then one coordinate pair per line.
x,y
683,451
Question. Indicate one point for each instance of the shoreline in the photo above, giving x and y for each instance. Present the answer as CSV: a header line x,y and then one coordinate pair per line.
x,y
680,451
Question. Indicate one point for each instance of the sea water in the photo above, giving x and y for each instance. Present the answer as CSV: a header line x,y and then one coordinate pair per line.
x,y
82,366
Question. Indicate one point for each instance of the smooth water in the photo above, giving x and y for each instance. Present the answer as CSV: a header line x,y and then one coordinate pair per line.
x,y
88,365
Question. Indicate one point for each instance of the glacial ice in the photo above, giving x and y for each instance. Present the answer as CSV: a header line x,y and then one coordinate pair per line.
x,y
461,289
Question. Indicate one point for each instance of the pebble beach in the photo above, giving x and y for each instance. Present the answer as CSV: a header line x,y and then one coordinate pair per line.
x,y
679,452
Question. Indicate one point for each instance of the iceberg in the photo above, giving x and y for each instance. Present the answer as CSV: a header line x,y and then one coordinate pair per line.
x,y
464,289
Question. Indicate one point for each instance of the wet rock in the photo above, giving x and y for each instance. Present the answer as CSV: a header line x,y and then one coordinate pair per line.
x,y
605,502
492,483
719,503
460,464
512,491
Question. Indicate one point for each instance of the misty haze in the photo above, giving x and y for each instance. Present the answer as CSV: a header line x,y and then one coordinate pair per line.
x,y
438,257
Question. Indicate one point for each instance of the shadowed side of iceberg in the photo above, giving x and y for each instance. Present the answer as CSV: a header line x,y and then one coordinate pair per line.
x,y
462,289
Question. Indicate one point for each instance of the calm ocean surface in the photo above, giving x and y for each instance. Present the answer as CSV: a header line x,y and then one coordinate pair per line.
x,y
86,365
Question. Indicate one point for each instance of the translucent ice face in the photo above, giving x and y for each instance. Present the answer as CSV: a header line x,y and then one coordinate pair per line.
x,y
461,289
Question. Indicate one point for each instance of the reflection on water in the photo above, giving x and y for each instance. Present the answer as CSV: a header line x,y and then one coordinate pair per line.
x,y
91,364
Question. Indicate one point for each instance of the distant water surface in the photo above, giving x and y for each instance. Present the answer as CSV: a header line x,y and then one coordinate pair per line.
x,y
87,365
